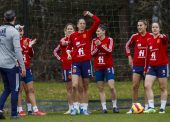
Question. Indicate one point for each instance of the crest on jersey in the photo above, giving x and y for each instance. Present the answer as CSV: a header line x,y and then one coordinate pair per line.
x,y
139,45
150,47
158,40
84,35
77,43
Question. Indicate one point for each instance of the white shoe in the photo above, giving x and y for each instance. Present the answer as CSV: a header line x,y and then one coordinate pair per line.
x,y
67,112
129,112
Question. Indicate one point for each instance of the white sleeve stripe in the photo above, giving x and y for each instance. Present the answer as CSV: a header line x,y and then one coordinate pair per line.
x,y
128,43
110,46
93,51
55,52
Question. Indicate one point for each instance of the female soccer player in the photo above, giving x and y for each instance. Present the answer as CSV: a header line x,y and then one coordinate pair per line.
x,y
101,50
81,59
60,53
158,68
27,81
138,62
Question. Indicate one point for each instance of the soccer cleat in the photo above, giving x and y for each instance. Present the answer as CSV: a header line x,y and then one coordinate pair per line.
x,y
22,113
115,110
29,112
104,111
81,111
74,111
129,112
15,117
2,116
78,111
39,113
161,111
85,112
67,112
150,110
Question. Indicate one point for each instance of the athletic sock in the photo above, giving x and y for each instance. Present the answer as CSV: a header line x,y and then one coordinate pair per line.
x,y
104,105
163,104
29,107
151,103
114,102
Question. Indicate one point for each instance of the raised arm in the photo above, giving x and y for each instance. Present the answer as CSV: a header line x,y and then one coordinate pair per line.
x,y
96,22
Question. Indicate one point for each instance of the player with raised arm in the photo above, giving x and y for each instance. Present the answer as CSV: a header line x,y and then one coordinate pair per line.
x,y
101,50
60,53
138,62
10,55
27,81
157,68
81,60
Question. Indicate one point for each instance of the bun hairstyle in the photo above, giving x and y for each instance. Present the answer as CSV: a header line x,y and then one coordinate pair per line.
x,y
9,15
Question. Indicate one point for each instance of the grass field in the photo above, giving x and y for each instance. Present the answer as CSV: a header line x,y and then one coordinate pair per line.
x,y
96,117
56,91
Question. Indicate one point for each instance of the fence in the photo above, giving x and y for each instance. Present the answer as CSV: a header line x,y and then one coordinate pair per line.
x,y
45,20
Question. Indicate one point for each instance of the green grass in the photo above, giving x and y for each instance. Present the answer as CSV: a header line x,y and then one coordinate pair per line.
x,y
57,91
97,117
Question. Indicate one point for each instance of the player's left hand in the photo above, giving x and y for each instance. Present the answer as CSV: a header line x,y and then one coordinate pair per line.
x,y
87,13
32,42
97,42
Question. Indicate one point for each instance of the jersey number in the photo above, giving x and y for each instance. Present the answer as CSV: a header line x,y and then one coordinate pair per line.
x,y
141,53
101,59
81,51
153,56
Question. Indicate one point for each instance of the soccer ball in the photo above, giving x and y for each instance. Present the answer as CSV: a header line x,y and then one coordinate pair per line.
x,y
137,108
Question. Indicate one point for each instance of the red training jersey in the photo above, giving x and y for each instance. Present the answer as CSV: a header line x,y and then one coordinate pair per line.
x,y
140,48
60,53
26,51
158,54
80,42
102,53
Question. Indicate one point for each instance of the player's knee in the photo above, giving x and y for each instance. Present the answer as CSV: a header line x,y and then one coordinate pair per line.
x,y
80,89
135,86
30,90
85,88
101,88
112,88
147,87
69,90
163,89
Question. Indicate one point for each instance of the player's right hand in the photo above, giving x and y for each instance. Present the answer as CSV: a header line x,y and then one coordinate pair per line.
x,y
23,72
97,42
85,13
69,57
130,61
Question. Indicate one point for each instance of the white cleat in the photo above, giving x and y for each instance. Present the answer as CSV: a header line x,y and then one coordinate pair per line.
x,y
129,112
67,112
